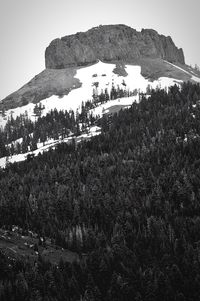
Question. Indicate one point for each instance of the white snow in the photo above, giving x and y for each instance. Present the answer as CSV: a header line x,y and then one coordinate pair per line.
x,y
51,143
165,82
95,74
94,79
17,112
101,73
95,129
195,78
15,142
104,108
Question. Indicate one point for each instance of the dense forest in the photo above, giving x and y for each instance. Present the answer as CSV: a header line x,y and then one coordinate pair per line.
x,y
127,202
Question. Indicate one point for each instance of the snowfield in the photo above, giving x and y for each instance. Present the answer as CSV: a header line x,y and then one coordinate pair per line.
x,y
95,78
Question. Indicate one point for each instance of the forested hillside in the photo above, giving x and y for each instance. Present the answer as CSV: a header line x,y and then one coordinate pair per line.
x,y
21,134
127,202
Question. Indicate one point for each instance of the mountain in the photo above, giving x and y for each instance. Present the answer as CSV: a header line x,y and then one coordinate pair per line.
x,y
98,72
111,43
113,218
111,210
121,45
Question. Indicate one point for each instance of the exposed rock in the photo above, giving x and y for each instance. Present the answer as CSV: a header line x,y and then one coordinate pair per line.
x,y
111,43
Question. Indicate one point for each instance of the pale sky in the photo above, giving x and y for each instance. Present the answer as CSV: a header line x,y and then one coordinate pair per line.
x,y
28,26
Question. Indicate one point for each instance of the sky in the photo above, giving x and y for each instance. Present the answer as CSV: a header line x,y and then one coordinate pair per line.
x,y
28,26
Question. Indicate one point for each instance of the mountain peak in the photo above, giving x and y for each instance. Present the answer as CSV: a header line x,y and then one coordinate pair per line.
x,y
117,45
111,43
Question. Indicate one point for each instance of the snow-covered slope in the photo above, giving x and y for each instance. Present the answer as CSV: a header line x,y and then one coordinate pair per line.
x,y
95,78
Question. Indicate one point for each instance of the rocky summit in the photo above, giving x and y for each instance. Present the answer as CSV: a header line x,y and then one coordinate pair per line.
x,y
111,43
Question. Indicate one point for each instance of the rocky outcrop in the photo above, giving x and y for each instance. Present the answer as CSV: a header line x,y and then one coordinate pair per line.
x,y
111,43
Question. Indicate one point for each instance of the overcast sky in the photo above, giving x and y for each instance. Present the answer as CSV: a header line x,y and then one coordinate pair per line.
x,y
28,26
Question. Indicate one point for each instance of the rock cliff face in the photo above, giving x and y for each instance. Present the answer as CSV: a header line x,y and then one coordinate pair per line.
x,y
111,43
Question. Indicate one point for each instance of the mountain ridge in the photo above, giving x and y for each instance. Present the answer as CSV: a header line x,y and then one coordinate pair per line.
x,y
108,43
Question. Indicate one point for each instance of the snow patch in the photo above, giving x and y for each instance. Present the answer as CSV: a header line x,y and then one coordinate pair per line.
x,y
49,144
194,78
94,79
104,108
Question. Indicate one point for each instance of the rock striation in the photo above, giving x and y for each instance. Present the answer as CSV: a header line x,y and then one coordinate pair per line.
x,y
111,43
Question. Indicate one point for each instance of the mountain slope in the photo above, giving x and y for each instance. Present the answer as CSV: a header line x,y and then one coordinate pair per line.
x,y
67,92
47,83
127,202
95,80
115,44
